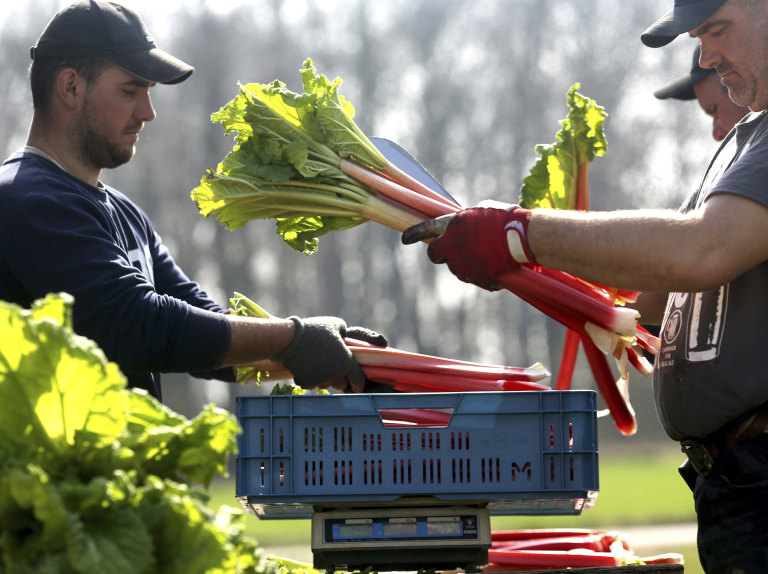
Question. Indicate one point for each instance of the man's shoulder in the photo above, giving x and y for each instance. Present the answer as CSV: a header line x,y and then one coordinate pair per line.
x,y
31,191
31,174
25,177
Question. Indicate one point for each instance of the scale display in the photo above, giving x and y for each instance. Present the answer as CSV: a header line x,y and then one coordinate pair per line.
x,y
460,527
401,538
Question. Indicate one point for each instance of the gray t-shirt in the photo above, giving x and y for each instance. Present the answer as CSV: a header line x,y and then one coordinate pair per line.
x,y
713,364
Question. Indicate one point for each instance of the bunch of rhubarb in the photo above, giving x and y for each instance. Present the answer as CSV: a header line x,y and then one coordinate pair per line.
x,y
405,371
539,549
301,159
559,180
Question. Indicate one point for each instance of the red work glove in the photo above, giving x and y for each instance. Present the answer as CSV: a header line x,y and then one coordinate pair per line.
x,y
480,244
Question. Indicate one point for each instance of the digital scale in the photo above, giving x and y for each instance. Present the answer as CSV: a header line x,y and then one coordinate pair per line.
x,y
412,535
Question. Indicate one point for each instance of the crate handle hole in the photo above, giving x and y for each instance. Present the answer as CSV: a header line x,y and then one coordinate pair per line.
x,y
416,417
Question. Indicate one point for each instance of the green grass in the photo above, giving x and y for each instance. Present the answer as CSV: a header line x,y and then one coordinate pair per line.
x,y
638,486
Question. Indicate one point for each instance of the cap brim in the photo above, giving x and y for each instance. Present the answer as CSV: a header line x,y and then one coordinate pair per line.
x,y
155,65
679,20
682,88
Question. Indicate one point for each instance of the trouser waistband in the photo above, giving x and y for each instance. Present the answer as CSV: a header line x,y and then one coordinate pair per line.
x,y
703,453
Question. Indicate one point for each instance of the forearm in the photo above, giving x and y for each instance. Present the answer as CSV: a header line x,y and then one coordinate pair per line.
x,y
639,250
255,339
655,250
312,349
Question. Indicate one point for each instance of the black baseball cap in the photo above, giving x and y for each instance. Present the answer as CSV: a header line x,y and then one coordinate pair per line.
x,y
682,88
685,15
88,28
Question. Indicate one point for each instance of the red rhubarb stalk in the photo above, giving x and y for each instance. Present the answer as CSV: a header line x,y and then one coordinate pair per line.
x,y
620,410
533,533
405,388
428,206
568,360
406,180
389,357
554,558
586,541
582,187
523,279
622,413
597,292
445,383
415,417
648,340
638,361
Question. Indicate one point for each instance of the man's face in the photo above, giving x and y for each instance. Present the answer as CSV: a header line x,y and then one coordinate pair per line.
x,y
734,41
714,100
114,110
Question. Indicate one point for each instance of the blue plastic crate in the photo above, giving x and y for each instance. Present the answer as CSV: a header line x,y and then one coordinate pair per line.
x,y
530,452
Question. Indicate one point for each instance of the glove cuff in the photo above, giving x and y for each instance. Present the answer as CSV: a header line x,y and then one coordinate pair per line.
x,y
516,231
290,350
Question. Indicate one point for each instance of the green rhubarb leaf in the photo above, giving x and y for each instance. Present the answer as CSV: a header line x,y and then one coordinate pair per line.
x,y
302,233
301,210
97,478
186,535
105,532
114,540
34,519
334,114
552,180
242,306
206,444
167,445
286,163
281,124
56,386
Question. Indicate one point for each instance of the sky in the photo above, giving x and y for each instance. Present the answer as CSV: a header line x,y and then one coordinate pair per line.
x,y
153,12
150,10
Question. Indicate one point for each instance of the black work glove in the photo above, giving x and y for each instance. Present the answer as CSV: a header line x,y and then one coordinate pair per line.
x,y
363,334
318,356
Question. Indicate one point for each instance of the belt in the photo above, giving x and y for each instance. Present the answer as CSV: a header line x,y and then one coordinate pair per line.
x,y
703,453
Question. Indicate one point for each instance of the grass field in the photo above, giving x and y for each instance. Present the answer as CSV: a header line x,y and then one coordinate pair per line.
x,y
637,487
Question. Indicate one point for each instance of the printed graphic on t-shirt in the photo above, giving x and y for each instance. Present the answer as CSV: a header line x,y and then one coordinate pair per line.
x,y
140,258
706,326
700,319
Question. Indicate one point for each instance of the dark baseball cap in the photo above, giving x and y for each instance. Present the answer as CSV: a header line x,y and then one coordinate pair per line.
x,y
104,29
682,88
684,16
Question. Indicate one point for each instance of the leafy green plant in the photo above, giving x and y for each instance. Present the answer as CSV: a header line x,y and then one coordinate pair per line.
x,y
301,160
95,477
559,177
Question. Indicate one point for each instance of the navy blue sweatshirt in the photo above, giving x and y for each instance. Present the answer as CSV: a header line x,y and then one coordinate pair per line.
x,y
61,234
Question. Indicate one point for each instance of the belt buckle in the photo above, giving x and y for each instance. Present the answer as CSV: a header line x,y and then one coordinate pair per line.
x,y
699,455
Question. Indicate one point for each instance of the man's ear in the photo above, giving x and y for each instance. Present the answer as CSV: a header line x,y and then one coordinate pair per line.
x,y
70,87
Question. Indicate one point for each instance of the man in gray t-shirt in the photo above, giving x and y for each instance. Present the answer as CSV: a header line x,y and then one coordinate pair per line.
x,y
708,372
702,268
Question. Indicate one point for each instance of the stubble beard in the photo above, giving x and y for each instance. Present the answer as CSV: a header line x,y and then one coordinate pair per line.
x,y
752,91
94,146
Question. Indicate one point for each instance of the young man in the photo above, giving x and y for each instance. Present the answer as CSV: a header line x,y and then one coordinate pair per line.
x,y
704,86
63,230
705,272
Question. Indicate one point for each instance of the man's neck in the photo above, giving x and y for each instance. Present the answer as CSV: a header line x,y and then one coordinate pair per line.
x,y
61,154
